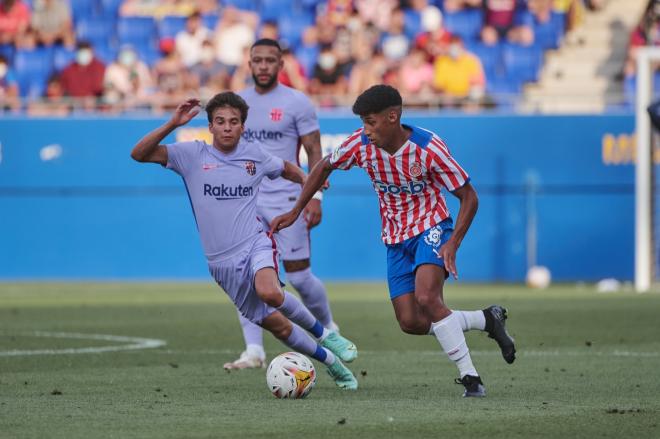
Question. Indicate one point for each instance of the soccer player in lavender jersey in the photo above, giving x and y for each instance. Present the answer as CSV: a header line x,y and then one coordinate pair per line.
x,y
281,119
223,181
409,167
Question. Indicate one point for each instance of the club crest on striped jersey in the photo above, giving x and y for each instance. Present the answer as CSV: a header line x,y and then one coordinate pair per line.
x,y
415,170
250,167
276,114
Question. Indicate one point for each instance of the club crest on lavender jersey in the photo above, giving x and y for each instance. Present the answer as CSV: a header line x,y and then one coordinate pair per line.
x,y
276,114
415,170
250,167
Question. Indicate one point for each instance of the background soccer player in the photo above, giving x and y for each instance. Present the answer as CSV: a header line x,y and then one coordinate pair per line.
x,y
223,181
409,167
281,119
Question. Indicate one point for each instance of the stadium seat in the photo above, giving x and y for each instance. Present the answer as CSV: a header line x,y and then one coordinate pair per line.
x,y
110,7
246,5
522,63
82,9
97,31
136,31
412,23
7,50
466,24
271,10
106,54
548,35
211,20
491,58
291,27
307,56
62,57
171,25
33,67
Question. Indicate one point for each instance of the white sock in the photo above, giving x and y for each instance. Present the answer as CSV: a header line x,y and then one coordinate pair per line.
x,y
450,335
255,350
471,320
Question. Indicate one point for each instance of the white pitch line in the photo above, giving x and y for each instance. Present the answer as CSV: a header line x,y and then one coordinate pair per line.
x,y
135,343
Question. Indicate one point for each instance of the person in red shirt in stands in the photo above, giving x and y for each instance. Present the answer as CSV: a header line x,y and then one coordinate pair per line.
x,y
83,78
14,20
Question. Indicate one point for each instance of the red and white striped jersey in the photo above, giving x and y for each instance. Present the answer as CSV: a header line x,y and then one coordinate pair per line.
x,y
409,183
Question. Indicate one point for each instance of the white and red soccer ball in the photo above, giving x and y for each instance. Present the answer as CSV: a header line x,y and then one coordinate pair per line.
x,y
291,375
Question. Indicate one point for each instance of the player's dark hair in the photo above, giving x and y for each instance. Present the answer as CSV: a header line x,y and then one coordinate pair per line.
x,y
267,42
376,99
227,99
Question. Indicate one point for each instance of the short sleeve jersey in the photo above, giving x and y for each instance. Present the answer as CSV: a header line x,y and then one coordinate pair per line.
x,y
275,122
223,191
409,183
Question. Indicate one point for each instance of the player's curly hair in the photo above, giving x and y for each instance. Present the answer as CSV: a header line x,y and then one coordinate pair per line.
x,y
227,99
376,99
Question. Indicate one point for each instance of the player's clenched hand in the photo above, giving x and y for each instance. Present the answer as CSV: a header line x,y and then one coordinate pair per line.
x,y
283,221
313,213
185,112
448,254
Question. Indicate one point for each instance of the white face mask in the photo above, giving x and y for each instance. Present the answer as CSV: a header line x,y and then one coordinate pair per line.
x,y
327,61
3,70
454,50
84,57
127,58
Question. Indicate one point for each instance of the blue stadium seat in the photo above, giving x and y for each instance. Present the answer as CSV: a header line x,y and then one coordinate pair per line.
x,y
412,23
246,5
98,31
171,25
62,57
7,50
271,10
82,9
210,20
110,7
522,63
291,27
491,58
548,35
148,54
467,23
33,67
307,56
106,54
137,30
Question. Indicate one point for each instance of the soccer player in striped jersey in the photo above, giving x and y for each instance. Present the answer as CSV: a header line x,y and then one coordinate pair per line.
x,y
409,168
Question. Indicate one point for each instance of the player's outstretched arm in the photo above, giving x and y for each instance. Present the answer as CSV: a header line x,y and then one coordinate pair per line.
x,y
466,212
313,183
148,149
293,173
312,144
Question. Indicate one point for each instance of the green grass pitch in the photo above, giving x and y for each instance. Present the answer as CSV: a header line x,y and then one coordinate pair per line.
x,y
588,366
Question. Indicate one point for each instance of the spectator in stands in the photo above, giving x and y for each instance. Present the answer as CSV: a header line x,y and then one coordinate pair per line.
x,y
370,68
377,12
269,29
328,80
499,19
415,78
52,24
9,93
292,73
161,8
189,41
54,103
434,39
210,74
459,75
14,20
173,82
128,83
235,32
339,11
451,6
646,33
395,42
83,78
325,30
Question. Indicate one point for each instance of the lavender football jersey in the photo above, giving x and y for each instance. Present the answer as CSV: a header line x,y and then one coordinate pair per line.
x,y
223,192
275,123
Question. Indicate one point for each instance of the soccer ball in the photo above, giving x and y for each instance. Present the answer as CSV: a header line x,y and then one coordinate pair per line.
x,y
291,375
538,277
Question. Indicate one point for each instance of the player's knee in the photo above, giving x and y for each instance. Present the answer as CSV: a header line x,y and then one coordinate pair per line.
x,y
410,325
280,328
271,295
428,299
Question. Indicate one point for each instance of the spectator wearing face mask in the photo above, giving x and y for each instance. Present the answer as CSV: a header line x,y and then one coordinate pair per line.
x,y
211,75
127,82
83,78
328,80
9,96
459,74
